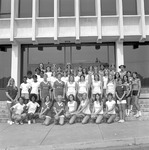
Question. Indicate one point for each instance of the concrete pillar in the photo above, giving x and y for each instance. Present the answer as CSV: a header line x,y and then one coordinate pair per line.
x,y
15,63
119,54
55,20
77,14
119,9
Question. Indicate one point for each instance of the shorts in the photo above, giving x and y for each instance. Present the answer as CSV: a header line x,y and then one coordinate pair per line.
x,y
122,102
9,102
135,93
25,95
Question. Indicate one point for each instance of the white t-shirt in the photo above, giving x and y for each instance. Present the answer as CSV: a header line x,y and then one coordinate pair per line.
x,y
97,106
77,78
110,105
32,106
40,79
82,87
64,79
111,88
53,79
35,87
96,87
105,81
87,109
18,108
71,106
30,80
25,87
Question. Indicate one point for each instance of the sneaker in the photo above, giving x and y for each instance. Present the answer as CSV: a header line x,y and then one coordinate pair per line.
x,y
17,123
29,122
11,122
8,121
140,114
120,121
21,122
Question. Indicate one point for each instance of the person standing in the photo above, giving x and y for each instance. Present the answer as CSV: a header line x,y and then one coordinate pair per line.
x,y
11,94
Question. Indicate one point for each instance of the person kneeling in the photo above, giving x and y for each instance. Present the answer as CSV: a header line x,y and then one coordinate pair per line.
x,y
97,112
59,108
84,109
70,109
46,112
18,111
110,113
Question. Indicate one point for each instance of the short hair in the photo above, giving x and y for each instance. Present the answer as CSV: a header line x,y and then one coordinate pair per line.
x,y
109,94
29,72
34,76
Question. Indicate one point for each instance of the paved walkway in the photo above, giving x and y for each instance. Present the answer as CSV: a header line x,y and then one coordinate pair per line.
x,y
77,136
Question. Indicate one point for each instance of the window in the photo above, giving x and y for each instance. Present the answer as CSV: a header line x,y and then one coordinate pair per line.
x,y
25,9
129,7
87,8
108,7
46,8
5,8
146,5
66,8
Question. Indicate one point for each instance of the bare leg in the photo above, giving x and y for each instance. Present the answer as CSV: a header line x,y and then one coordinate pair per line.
x,y
85,119
123,111
72,119
61,121
99,119
120,111
111,119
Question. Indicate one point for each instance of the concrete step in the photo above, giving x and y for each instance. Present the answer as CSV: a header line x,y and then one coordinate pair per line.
x,y
3,120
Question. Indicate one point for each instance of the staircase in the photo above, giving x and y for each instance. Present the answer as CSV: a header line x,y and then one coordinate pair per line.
x,y
144,103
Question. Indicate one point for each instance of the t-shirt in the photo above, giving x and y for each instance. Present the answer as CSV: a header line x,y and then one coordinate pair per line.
x,y
25,87
110,104
30,80
120,89
18,108
58,106
32,106
12,92
35,87
59,86
45,87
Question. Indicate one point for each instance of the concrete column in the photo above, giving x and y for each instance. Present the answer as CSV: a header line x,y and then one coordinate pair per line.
x,y
98,12
119,54
141,12
55,20
14,14
119,9
77,14
34,15
15,63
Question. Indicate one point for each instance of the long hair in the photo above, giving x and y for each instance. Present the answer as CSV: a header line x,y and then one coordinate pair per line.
x,y
9,82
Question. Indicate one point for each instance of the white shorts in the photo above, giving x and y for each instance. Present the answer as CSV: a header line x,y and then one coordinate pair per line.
x,y
122,102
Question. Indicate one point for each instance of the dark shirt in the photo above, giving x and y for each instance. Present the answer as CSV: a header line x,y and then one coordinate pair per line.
x,y
12,92
120,89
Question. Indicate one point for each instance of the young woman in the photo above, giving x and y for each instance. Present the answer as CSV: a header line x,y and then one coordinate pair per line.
x,y
53,78
136,88
59,87
46,111
129,75
111,85
18,113
122,70
37,73
35,86
128,94
110,113
82,87
25,90
116,77
84,109
65,77
101,70
32,106
41,67
41,77
71,108
121,99
49,72
105,81
96,86
71,87
97,112
59,109
11,94
45,89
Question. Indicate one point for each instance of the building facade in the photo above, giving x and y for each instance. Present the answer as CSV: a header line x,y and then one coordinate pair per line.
x,y
32,31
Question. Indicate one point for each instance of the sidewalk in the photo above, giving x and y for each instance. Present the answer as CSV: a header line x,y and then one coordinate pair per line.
x,y
77,136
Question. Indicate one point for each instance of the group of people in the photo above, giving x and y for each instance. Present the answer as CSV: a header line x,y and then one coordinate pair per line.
x,y
95,94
